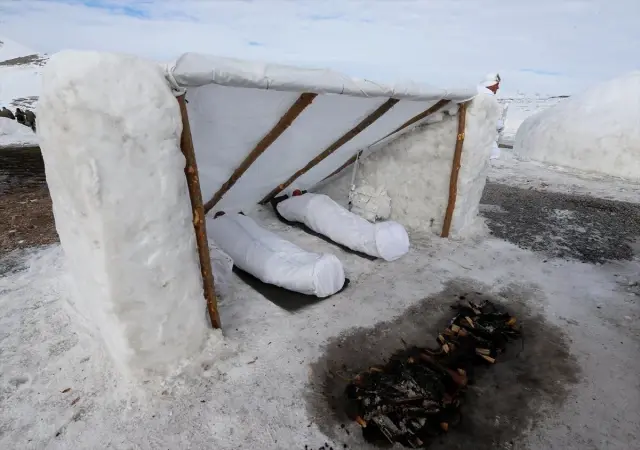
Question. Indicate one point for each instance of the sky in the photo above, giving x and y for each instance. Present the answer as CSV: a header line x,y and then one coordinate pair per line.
x,y
538,47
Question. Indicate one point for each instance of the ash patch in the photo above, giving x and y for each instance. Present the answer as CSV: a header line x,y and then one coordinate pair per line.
x,y
562,226
507,399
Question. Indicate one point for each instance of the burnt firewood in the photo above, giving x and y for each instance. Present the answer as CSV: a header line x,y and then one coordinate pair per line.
x,y
417,394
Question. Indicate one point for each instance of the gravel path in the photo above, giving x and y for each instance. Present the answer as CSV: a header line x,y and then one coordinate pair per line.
x,y
561,225
25,205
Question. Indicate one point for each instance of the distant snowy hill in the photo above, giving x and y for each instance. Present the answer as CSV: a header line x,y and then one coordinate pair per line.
x,y
20,71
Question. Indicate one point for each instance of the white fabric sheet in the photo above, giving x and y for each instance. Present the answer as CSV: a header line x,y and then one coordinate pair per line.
x,y
386,240
275,260
195,69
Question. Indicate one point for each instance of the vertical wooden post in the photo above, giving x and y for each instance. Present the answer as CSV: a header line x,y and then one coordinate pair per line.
x,y
455,169
199,224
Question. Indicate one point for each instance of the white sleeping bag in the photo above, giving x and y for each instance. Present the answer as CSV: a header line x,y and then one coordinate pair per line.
x,y
274,260
386,240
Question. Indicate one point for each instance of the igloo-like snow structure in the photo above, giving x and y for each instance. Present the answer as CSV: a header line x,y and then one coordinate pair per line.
x,y
595,131
110,130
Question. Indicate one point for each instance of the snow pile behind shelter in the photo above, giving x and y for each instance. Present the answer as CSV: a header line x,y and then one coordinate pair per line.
x,y
109,128
596,131
408,179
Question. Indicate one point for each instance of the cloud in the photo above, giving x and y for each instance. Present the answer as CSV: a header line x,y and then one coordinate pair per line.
x,y
437,42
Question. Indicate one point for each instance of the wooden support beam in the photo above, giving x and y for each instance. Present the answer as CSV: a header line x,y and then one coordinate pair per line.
x,y
426,113
333,147
285,122
199,225
455,170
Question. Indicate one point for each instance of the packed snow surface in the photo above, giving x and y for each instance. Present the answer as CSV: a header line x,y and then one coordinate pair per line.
x,y
13,133
253,390
109,129
596,131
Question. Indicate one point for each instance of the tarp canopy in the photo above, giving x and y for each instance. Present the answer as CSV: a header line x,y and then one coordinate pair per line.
x,y
234,104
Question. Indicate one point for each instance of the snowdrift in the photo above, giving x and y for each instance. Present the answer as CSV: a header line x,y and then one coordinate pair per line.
x,y
596,131
114,141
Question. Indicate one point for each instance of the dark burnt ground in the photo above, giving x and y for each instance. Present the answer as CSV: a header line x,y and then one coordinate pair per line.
x,y
560,225
507,399
26,218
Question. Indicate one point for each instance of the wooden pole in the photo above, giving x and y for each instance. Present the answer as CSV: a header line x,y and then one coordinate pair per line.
x,y
432,109
417,118
285,122
335,146
199,225
455,170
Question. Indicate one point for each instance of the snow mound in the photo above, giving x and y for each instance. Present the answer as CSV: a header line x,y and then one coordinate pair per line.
x,y
596,131
13,134
109,129
518,109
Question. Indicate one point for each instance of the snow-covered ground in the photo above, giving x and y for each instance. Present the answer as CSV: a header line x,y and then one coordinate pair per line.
x,y
259,388
544,177
14,134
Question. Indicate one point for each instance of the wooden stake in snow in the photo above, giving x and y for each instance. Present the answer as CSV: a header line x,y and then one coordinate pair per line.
x,y
333,147
285,122
455,170
193,182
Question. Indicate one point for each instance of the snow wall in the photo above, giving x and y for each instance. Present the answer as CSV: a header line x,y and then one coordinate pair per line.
x,y
407,179
233,104
109,128
595,131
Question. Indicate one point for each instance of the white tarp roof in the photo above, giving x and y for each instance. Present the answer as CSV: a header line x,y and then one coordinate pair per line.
x,y
233,104
194,69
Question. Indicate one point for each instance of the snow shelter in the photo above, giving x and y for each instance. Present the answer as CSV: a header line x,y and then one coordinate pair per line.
x,y
132,172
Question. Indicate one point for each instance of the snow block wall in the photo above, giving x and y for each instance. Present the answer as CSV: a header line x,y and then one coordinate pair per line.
x,y
595,131
109,129
408,179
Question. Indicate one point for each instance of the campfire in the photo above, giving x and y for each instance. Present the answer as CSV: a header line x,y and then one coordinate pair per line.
x,y
417,395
